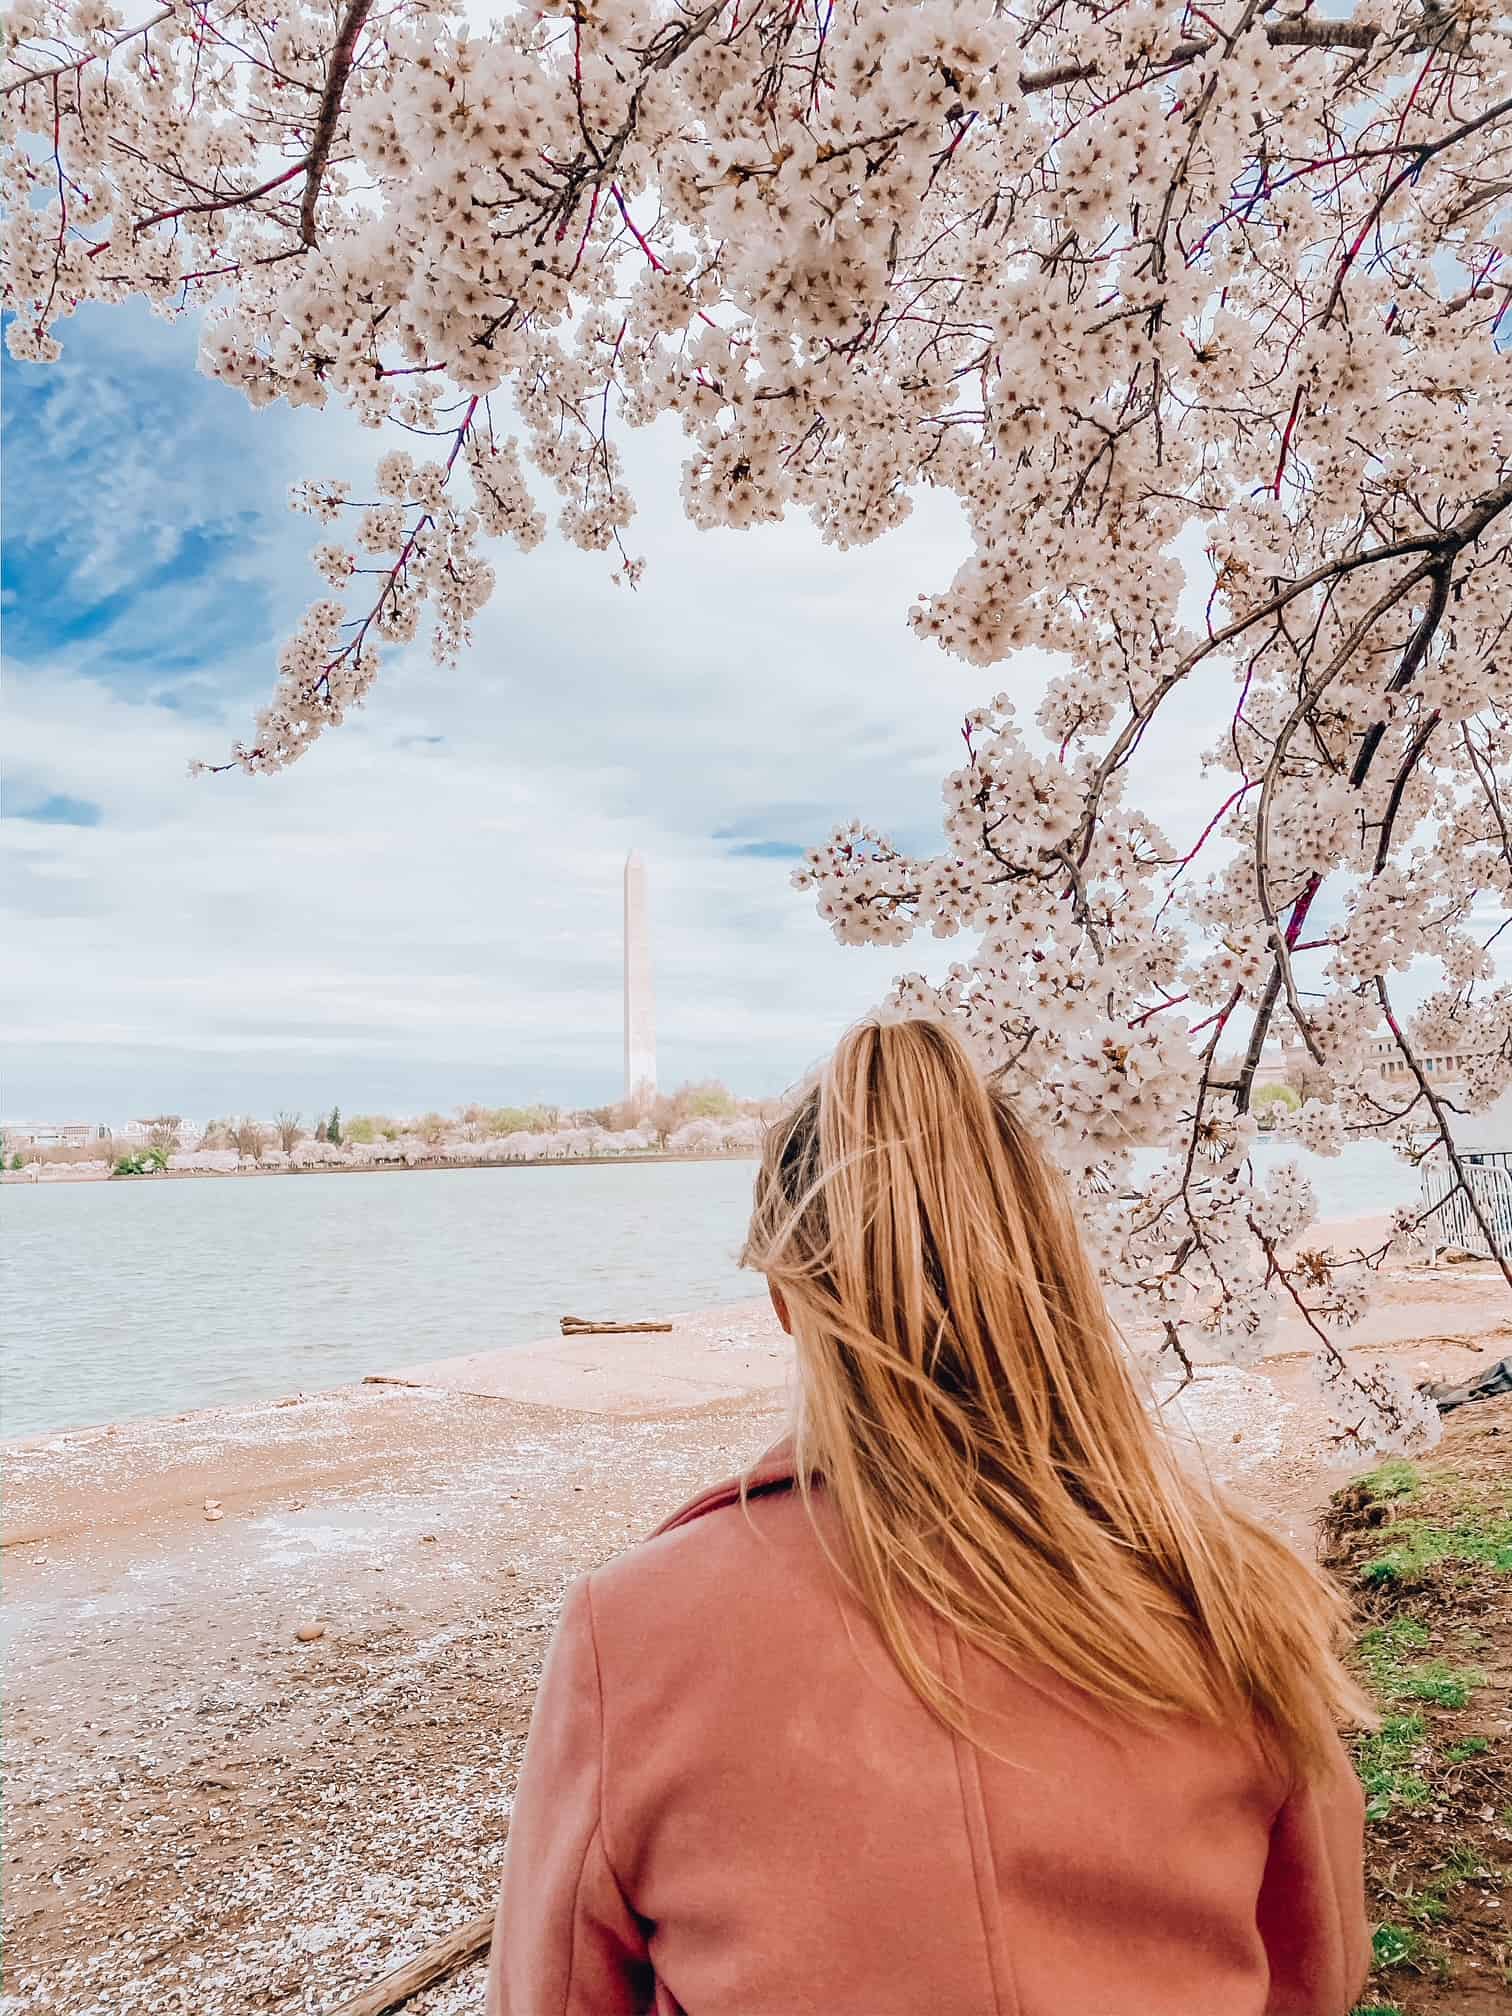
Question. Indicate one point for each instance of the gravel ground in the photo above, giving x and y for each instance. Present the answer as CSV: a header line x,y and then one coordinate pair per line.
x,y
209,1814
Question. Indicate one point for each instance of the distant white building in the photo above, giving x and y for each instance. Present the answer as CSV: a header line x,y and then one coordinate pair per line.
x,y
55,1134
1389,1062
1287,1054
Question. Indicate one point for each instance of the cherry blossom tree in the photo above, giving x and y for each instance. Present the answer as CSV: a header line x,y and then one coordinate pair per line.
x,y
1193,308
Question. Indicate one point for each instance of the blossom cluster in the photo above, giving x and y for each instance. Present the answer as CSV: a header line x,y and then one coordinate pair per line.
x,y
1199,313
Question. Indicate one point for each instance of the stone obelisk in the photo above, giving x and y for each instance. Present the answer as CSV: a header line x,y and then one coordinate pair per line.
x,y
640,1007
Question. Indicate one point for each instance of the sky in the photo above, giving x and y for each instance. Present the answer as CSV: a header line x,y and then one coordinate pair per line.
x,y
426,909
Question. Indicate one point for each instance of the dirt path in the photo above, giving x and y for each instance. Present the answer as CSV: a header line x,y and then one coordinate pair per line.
x,y
208,1815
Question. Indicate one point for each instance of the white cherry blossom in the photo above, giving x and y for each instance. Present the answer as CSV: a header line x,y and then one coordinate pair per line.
x,y
1129,283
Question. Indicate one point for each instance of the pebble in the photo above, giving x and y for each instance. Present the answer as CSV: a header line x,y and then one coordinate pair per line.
x,y
308,1633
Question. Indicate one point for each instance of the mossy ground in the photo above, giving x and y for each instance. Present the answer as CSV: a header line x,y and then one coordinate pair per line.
x,y
1426,1551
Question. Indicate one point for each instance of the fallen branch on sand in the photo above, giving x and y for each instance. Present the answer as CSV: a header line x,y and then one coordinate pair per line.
x,y
580,1326
445,1957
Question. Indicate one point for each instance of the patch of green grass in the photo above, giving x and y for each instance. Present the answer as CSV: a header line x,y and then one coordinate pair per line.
x,y
1394,1678
1434,1902
1461,1753
1435,1537
1383,1648
1440,1684
1425,1907
1394,1945
1395,1478
1465,1866
1384,1761
1477,1536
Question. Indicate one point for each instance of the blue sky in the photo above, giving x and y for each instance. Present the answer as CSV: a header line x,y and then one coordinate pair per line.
x,y
426,909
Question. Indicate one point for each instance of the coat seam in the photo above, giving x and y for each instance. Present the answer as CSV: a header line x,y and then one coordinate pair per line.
x,y
601,1825
572,1936
974,1816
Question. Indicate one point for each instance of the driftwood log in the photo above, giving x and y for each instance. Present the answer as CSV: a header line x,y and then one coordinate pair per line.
x,y
437,1961
581,1326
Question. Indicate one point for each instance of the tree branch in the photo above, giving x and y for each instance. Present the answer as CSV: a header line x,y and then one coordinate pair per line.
x,y
66,69
330,111
1306,34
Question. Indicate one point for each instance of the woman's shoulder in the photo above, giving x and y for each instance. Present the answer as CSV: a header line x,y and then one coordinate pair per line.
x,y
744,1538
771,1475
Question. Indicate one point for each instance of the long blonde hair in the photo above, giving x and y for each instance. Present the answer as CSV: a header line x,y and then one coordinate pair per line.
x,y
971,1412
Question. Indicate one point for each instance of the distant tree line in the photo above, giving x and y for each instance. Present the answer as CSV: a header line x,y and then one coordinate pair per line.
x,y
660,1115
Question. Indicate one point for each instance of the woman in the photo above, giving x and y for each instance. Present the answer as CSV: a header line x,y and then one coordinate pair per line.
x,y
964,1700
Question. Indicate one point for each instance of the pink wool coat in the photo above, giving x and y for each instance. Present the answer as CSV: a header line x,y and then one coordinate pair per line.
x,y
733,1805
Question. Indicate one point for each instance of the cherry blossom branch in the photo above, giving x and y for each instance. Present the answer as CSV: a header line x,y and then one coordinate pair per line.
x,y
1311,32
74,64
232,200
907,249
1425,153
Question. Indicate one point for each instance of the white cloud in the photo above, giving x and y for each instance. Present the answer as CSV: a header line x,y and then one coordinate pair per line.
x,y
403,920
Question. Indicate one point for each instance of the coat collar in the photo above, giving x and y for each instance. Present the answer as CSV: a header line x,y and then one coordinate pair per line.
x,y
775,1471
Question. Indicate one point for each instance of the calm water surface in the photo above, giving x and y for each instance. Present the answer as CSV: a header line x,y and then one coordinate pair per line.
x,y
130,1299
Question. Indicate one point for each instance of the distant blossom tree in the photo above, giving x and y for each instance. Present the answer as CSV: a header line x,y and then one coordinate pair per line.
x,y
251,1138
710,1136
697,1137
288,1130
1195,311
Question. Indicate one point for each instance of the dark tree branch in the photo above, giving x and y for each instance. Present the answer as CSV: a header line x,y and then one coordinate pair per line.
x,y
340,69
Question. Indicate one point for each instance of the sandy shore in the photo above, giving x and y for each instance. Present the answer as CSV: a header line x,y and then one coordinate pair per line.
x,y
209,1815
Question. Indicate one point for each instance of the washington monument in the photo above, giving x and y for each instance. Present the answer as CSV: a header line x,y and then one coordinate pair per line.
x,y
640,1006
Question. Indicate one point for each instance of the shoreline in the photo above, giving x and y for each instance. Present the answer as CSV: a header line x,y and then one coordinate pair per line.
x,y
1452,1304
687,1325
736,1350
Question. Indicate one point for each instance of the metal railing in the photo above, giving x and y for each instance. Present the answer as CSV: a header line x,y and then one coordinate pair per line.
x,y
1488,1172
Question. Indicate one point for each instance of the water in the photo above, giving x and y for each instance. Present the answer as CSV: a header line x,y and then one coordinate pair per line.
x,y
123,1300
1367,1177
130,1299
